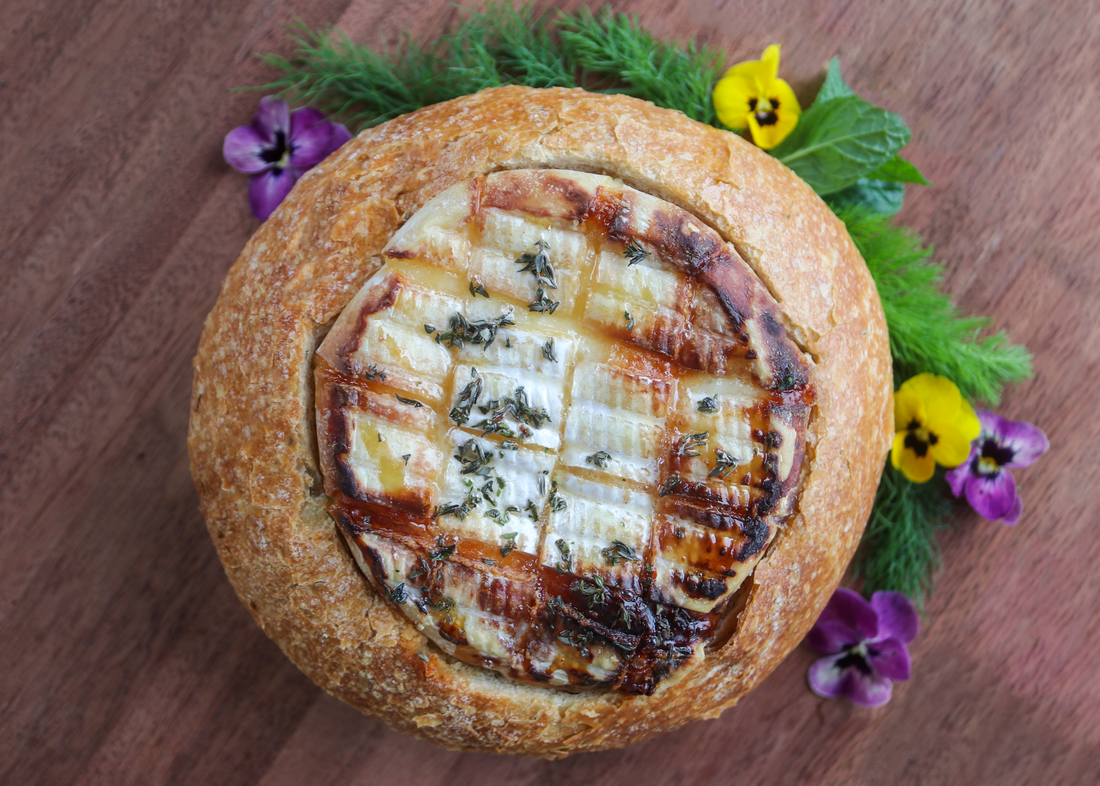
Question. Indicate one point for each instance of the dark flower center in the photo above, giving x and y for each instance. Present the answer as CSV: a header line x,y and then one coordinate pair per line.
x,y
767,115
918,439
992,456
275,153
992,449
855,657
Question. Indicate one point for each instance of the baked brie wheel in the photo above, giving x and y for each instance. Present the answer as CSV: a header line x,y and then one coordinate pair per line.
x,y
541,421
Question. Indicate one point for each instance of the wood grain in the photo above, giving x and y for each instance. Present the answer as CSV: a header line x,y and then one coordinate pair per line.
x,y
124,655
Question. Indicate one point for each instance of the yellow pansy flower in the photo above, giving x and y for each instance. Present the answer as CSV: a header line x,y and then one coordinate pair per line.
x,y
933,424
750,95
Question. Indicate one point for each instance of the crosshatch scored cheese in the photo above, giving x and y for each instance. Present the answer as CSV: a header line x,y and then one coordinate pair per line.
x,y
560,426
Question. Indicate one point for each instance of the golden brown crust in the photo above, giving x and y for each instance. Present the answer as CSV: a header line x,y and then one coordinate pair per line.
x,y
252,448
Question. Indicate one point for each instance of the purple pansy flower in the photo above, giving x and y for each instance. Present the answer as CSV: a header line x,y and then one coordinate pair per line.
x,y
865,644
984,477
277,148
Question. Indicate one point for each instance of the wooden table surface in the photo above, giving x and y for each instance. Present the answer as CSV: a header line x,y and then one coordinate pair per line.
x,y
125,656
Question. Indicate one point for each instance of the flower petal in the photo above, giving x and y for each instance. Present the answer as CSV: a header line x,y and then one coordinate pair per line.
x,y
967,420
763,69
267,189
769,62
340,135
993,496
785,103
897,617
829,681
832,636
953,441
731,99
310,146
849,608
908,407
889,658
1027,442
918,469
1013,515
826,678
243,150
957,478
940,395
768,136
272,116
761,135
304,119
870,690
312,138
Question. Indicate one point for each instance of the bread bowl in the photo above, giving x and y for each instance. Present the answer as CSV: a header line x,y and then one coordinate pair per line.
x,y
329,457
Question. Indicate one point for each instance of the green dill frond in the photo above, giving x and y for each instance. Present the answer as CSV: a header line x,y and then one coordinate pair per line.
x,y
616,47
499,45
523,46
899,550
353,83
927,333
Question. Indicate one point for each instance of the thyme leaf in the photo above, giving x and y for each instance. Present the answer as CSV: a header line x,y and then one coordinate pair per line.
x,y
509,543
412,402
538,264
629,320
373,373
474,459
420,570
476,288
442,552
440,603
690,444
556,501
579,640
619,552
565,564
634,253
398,594
467,398
724,464
669,485
595,592
481,332
543,304
707,404
599,459
518,407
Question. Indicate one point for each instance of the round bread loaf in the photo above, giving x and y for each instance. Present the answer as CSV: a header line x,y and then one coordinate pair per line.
x,y
541,421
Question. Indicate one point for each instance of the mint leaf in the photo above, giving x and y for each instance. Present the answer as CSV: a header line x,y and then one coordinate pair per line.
x,y
878,196
834,86
838,142
898,170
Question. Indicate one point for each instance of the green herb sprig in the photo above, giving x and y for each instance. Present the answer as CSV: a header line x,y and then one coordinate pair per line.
x,y
899,550
501,45
927,332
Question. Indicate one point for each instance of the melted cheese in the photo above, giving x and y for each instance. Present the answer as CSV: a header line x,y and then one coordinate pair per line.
x,y
549,478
